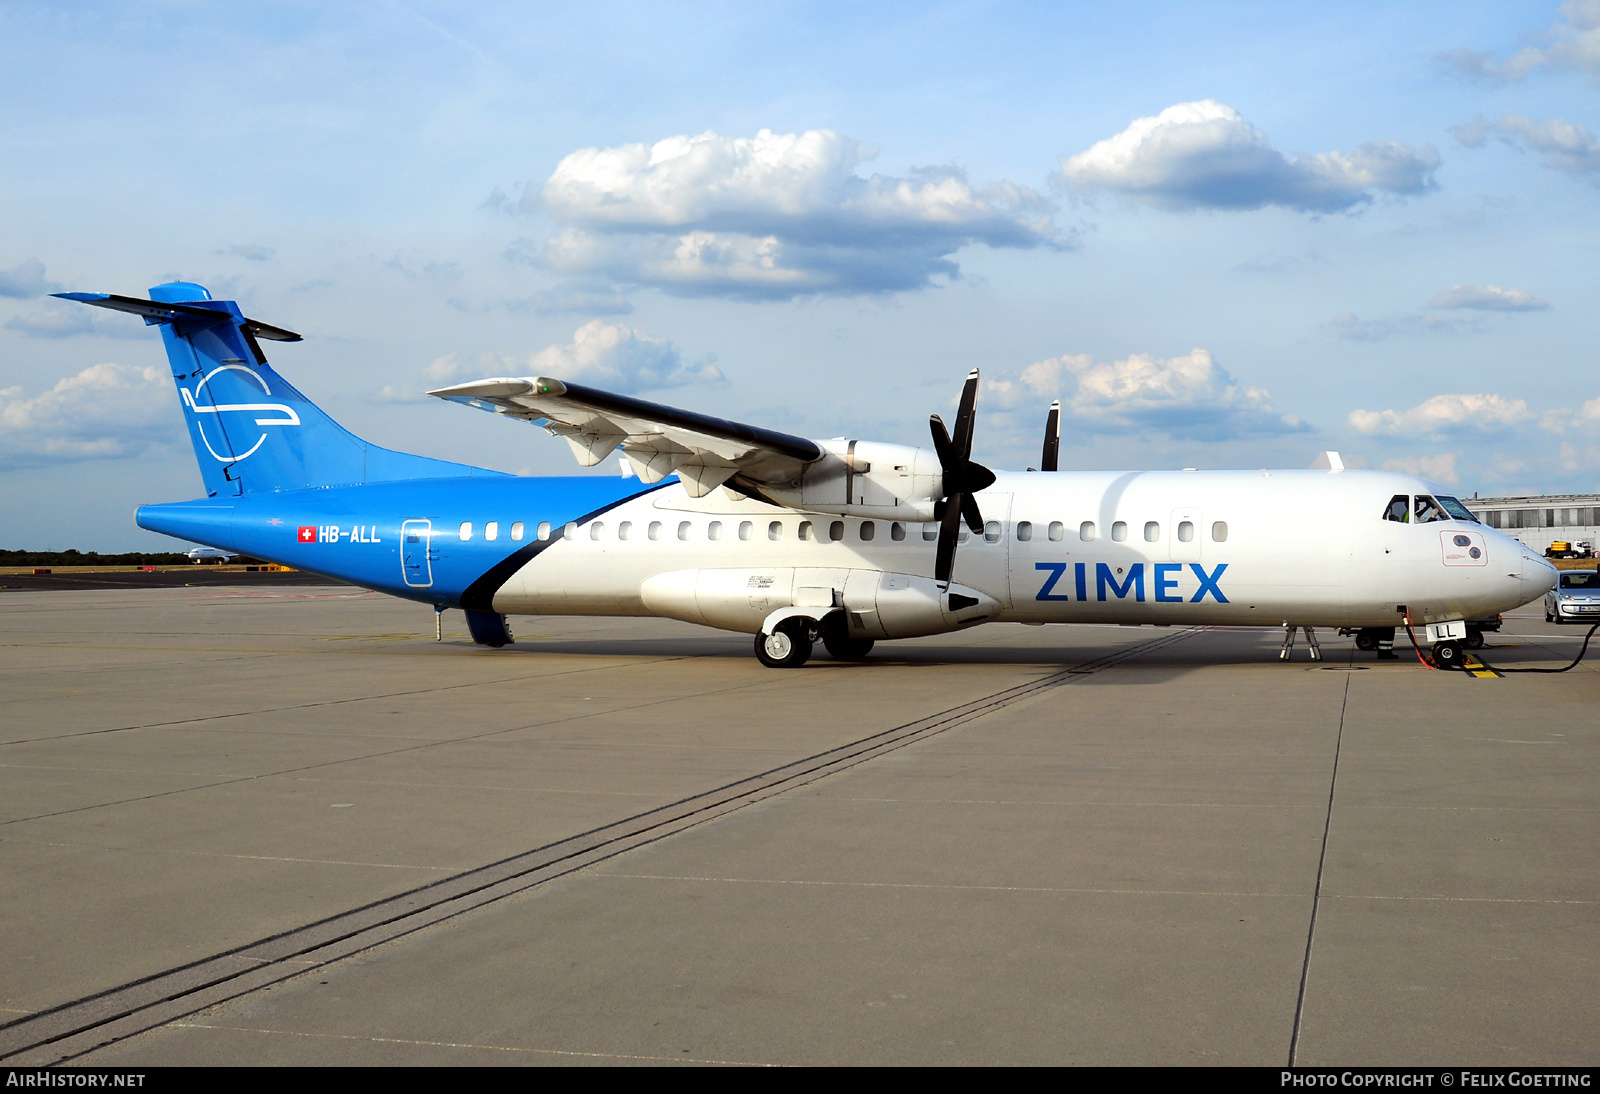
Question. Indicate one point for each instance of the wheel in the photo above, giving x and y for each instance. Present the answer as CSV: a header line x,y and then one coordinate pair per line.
x,y
1366,640
840,646
1474,638
787,647
1448,655
1548,618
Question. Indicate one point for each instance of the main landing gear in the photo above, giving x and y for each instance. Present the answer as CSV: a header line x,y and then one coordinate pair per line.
x,y
1449,655
791,642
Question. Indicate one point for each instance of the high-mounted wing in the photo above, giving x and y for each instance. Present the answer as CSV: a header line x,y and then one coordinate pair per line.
x,y
705,452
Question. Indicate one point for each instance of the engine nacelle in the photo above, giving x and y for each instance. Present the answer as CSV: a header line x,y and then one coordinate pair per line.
x,y
877,604
867,479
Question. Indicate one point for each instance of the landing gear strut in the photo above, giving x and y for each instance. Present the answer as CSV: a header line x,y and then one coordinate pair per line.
x,y
788,646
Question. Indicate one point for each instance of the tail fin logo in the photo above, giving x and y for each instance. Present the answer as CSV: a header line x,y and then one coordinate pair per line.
x,y
191,401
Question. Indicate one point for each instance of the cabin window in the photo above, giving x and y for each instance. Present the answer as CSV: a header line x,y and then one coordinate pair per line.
x,y
961,533
991,531
569,530
836,531
491,531
544,531
1428,511
654,532
1398,509
1057,531
1024,530
897,531
516,531
466,530
597,529
1086,531
805,531
1119,531
868,530
683,529
744,529
714,530
930,532
775,530
625,529
1186,531
1219,532
1152,531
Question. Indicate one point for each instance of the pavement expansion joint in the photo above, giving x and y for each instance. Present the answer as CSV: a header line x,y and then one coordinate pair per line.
x,y
72,1029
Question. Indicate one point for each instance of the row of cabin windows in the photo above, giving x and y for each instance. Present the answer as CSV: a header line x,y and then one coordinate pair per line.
x,y
867,530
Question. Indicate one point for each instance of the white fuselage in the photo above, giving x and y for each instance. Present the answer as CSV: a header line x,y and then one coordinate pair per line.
x,y
1265,548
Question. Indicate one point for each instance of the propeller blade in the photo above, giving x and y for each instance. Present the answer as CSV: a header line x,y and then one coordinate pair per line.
x,y
969,510
1052,438
941,442
944,559
964,416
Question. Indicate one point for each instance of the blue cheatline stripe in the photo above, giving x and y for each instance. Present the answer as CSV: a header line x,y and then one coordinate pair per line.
x,y
479,596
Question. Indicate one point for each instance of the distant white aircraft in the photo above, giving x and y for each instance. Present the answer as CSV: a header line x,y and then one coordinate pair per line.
x,y
795,541
211,554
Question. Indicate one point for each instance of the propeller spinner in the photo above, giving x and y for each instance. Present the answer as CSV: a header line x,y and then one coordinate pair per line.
x,y
962,479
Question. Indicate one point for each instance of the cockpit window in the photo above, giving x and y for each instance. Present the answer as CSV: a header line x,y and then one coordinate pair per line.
x,y
1398,509
1580,579
1428,510
1456,509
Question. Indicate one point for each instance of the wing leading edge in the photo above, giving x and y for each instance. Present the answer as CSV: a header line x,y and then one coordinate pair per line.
x,y
705,452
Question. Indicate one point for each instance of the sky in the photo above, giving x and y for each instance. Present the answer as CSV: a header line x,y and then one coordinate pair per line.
x,y
1222,235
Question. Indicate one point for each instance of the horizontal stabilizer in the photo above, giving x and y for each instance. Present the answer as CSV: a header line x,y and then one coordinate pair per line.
x,y
154,311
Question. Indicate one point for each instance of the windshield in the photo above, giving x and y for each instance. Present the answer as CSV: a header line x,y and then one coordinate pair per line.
x,y
1456,509
1428,510
1398,509
1580,579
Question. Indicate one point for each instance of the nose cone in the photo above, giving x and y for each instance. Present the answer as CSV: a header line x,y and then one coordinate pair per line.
x,y
1538,576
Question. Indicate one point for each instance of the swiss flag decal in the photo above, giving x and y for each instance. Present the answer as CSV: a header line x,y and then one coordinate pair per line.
x,y
308,533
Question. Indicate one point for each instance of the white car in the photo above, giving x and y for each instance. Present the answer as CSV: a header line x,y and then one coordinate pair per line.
x,y
1575,599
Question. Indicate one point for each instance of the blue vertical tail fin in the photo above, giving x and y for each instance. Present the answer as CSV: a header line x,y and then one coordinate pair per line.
x,y
251,430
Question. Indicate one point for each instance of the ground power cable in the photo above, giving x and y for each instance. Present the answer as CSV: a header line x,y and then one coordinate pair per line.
x,y
1564,668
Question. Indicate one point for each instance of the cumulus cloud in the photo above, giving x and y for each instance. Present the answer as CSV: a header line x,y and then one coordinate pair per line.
x,y
1564,146
1443,416
1572,41
773,216
617,357
1189,396
1487,298
60,319
1440,468
105,411
1204,155
25,280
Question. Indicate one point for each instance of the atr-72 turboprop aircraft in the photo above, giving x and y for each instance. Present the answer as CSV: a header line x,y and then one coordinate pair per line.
x,y
796,540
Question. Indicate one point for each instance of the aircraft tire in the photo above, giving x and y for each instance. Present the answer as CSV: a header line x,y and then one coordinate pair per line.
x,y
787,647
1366,640
840,646
1448,655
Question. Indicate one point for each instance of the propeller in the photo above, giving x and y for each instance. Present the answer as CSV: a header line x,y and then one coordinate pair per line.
x,y
1052,438
962,479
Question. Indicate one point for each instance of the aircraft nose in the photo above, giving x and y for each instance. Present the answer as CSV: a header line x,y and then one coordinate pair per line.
x,y
1538,576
